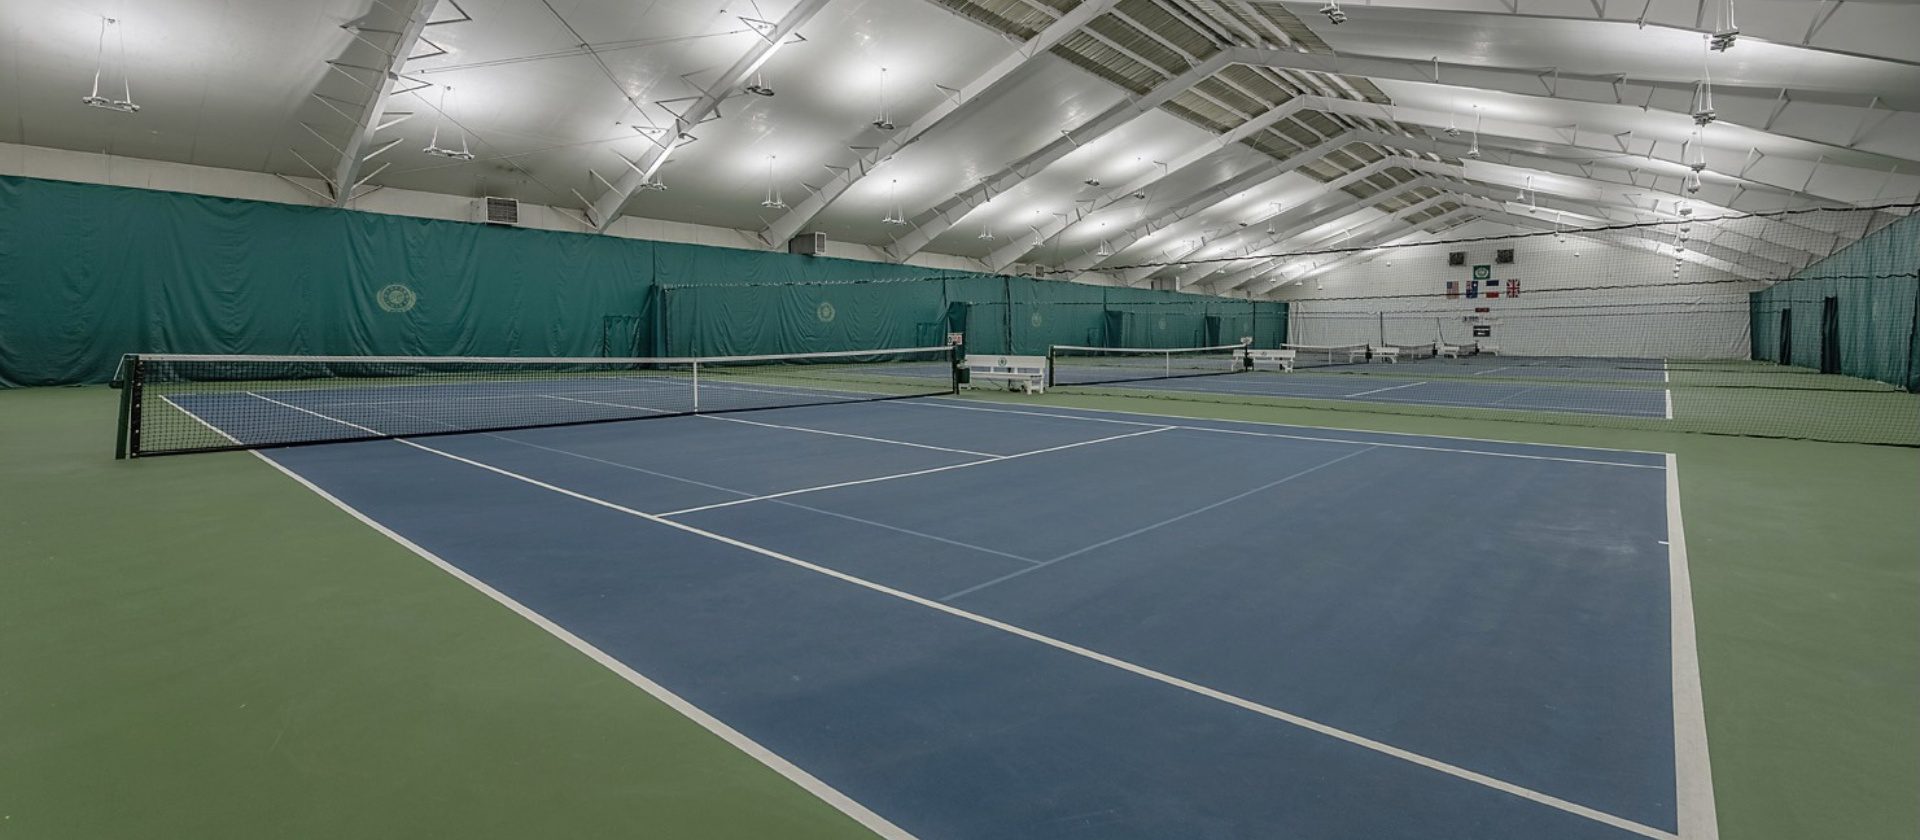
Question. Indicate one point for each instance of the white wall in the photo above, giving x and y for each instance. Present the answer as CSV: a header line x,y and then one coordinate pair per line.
x,y
95,168
1648,314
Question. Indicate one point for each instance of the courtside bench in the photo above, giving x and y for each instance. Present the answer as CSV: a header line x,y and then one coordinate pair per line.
x,y
1391,354
1280,360
1018,373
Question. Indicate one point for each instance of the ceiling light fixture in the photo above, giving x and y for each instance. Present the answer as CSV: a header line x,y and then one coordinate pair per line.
x,y
1473,150
1725,31
1333,13
883,122
758,87
124,105
773,201
895,214
433,146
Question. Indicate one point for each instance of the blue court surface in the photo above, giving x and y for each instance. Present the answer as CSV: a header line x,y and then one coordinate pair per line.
x,y
974,619
1451,384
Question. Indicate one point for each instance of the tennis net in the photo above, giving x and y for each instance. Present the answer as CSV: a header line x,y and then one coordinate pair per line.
x,y
1070,365
1325,355
182,403
1416,351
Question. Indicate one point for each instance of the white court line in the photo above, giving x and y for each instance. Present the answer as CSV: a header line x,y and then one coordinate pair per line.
x,y
1666,378
881,525
607,404
1161,524
1285,436
950,402
753,749
1693,770
1384,390
994,460
729,490
1518,393
854,436
1068,647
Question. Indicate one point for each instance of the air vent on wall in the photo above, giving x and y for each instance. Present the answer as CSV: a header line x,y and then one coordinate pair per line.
x,y
1503,256
1456,258
499,211
808,244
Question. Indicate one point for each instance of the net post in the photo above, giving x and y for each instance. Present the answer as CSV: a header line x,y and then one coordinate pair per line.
x,y
953,368
126,439
696,386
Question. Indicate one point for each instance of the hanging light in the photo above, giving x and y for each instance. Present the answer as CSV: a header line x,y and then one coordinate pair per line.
x,y
1694,150
758,87
433,146
125,104
1334,15
773,201
1452,110
883,122
895,214
1702,110
986,233
1473,151
1726,31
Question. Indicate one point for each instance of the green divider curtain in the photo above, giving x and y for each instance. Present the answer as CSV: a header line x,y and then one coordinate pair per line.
x,y
1876,294
89,273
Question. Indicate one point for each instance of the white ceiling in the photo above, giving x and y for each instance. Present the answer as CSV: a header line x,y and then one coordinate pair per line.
x,y
1814,106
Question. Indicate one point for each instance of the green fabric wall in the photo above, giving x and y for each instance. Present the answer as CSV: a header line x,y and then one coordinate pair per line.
x,y
1877,281
90,272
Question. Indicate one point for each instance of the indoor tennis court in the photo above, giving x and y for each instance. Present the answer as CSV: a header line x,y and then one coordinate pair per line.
x,y
959,420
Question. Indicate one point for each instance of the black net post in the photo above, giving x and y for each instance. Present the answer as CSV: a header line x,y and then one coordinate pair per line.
x,y
127,434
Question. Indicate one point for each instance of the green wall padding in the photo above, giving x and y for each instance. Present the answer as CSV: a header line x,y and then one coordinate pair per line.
x,y
89,273
1876,282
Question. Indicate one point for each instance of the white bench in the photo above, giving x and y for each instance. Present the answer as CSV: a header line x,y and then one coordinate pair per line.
x,y
1391,354
1490,349
1280,360
1020,373
1449,351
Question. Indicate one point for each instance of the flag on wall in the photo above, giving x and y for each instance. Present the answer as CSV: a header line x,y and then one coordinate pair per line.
x,y
1473,288
1513,288
1453,289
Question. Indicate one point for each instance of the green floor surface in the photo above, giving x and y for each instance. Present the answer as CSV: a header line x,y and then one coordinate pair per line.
x,y
199,647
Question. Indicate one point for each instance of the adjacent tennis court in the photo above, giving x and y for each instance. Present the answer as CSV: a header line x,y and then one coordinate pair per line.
x,y
1607,387
958,618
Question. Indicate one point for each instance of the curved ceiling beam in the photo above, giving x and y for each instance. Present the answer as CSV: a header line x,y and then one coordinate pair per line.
x,y
1011,253
1745,105
1714,191
354,154
1495,211
1780,172
930,224
803,213
606,210
1682,15
1751,265
1386,227
1405,231
1239,273
1332,205
1196,202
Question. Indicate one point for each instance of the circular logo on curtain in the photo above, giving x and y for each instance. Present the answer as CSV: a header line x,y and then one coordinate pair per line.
x,y
396,298
1161,324
824,312
1035,319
